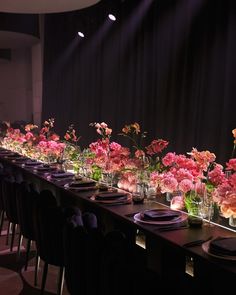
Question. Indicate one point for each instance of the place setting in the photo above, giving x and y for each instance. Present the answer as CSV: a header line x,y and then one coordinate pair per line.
x,y
31,163
44,168
12,156
168,218
20,159
221,248
81,185
5,152
112,198
61,175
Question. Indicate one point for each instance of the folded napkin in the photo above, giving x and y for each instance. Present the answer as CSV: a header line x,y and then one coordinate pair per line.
x,y
13,155
223,246
160,214
45,168
82,183
61,174
5,152
21,159
111,196
32,163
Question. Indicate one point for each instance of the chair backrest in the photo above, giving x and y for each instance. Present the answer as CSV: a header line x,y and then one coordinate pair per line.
x,y
115,272
9,199
82,246
2,207
49,221
26,201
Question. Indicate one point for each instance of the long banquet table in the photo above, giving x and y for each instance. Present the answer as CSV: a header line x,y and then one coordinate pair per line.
x,y
164,250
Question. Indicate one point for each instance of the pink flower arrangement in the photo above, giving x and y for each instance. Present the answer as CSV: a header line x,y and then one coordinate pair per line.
x,y
156,146
197,171
225,193
149,156
109,156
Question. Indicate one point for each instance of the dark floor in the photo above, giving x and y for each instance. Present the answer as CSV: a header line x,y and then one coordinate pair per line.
x,y
14,279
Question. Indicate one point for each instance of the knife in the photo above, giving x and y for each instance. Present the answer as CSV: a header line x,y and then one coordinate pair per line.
x,y
170,228
196,242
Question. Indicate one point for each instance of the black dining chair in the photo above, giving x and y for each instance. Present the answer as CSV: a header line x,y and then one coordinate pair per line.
x,y
83,243
2,207
116,272
9,199
26,198
49,221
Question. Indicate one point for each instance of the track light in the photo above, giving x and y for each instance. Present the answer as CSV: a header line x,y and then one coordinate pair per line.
x,y
81,34
112,17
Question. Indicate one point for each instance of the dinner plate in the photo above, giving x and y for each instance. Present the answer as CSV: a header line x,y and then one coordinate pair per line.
x,y
82,183
80,188
45,169
205,248
21,159
4,153
13,156
113,202
181,218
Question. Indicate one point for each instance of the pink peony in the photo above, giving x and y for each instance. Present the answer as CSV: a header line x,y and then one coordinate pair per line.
x,y
231,164
169,159
186,185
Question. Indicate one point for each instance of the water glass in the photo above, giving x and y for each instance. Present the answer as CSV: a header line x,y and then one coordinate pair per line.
x,y
195,212
207,210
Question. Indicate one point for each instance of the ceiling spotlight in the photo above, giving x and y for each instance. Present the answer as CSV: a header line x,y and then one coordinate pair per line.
x,y
111,17
81,34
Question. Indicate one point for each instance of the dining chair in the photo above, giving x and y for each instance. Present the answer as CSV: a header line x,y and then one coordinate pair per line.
x,y
26,198
48,222
83,243
9,199
2,207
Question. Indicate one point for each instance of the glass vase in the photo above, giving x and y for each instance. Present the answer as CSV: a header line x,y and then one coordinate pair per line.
x,y
232,221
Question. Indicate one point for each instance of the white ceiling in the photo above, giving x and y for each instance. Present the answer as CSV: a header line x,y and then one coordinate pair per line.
x,y
44,6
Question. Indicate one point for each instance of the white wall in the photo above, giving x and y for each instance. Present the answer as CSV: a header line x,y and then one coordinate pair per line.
x,y
37,83
16,86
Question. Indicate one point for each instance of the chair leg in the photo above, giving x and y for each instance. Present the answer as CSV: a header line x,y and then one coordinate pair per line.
x,y
19,245
60,280
8,232
27,253
45,272
12,236
1,221
37,261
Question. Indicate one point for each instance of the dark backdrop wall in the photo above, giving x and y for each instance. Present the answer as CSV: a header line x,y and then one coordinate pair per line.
x,y
169,65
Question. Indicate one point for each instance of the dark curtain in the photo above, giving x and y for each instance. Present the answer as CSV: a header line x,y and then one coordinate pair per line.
x,y
169,65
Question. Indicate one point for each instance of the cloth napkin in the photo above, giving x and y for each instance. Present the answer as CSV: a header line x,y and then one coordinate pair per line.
x,y
13,155
45,168
111,196
32,163
82,183
223,246
160,214
21,159
5,153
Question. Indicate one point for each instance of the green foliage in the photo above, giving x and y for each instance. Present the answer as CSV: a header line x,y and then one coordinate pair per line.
x,y
96,173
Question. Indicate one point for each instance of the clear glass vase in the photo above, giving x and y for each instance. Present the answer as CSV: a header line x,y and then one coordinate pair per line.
x,y
232,221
